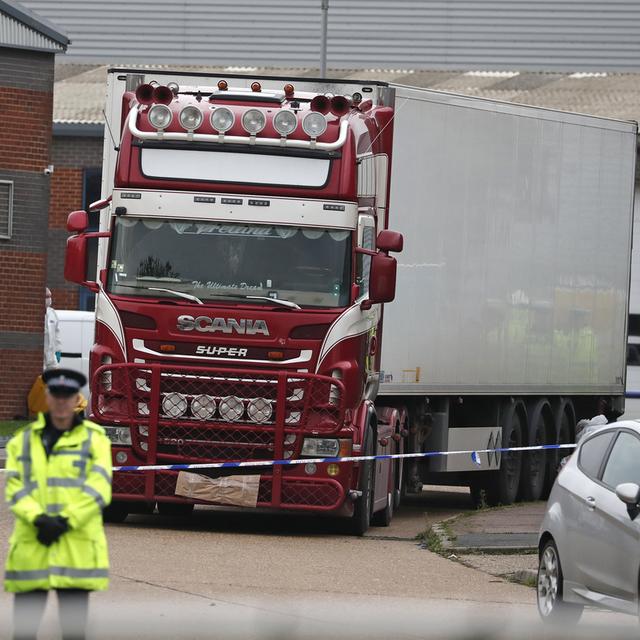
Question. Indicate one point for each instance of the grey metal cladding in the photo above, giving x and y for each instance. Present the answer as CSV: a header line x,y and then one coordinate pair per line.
x,y
414,34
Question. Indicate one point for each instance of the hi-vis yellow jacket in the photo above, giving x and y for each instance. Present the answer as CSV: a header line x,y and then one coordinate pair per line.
x,y
75,482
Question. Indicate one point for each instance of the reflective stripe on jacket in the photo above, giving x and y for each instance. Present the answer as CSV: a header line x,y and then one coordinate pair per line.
x,y
75,482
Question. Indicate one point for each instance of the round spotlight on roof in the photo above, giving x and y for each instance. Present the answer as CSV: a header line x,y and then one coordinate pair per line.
x,y
222,119
253,121
314,124
285,122
160,116
190,118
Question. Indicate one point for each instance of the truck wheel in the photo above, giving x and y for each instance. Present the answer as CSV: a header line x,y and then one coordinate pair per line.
x,y
116,512
534,463
502,486
361,518
398,492
562,420
175,509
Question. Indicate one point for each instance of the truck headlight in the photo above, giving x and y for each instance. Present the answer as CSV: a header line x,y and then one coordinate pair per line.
x,y
320,447
174,405
119,435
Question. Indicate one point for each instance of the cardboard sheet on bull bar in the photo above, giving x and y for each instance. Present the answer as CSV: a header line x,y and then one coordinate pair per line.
x,y
238,491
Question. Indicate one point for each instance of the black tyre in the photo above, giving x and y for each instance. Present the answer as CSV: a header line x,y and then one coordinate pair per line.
x,y
116,512
501,487
360,521
534,463
551,605
175,509
563,422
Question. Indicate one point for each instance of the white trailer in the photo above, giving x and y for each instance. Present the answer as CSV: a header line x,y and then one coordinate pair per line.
x,y
513,288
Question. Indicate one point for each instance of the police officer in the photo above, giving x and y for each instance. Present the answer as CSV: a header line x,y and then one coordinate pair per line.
x,y
58,472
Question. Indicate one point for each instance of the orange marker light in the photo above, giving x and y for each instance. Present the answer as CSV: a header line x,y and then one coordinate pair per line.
x,y
167,347
289,90
256,86
275,355
222,85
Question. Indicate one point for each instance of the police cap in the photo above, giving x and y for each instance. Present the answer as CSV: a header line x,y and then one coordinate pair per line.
x,y
63,382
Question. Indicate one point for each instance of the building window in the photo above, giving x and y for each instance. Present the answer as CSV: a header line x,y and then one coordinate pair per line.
x,y
6,209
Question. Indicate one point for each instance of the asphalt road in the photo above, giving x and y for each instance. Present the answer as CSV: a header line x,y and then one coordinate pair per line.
x,y
229,574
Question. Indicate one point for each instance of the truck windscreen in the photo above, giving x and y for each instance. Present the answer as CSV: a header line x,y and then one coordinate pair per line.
x,y
307,266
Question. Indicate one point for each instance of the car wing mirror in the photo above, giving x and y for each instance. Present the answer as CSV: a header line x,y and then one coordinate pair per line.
x,y
629,493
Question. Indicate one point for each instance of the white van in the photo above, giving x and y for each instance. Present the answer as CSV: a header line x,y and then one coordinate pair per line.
x,y
77,333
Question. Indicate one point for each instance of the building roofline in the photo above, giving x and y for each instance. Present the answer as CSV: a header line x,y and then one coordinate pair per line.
x,y
36,22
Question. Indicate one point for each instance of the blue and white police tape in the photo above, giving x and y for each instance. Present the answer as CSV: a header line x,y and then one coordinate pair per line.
x,y
474,453
475,456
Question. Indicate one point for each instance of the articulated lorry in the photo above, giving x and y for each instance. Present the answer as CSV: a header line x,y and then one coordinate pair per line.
x,y
251,233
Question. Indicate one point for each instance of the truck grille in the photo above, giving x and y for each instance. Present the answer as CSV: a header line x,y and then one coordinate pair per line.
x,y
179,414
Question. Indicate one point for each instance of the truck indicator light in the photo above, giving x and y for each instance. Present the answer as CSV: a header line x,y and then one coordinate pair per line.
x,y
259,203
231,201
275,355
167,347
205,199
128,195
333,207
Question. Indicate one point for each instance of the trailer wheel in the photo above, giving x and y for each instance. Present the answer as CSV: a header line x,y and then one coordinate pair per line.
x,y
534,463
563,419
116,512
502,486
175,509
360,521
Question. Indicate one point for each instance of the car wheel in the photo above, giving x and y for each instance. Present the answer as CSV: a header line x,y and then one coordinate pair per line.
x,y
551,605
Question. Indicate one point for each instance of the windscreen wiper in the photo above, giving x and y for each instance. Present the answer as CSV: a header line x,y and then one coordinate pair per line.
x,y
241,296
180,294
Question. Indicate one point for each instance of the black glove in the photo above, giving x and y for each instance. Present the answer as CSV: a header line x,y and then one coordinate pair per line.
x,y
50,528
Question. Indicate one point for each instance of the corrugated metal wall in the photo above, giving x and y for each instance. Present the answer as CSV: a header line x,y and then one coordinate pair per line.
x,y
473,34
14,33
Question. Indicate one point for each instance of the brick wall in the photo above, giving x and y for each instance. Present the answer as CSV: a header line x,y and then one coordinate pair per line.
x,y
26,99
71,156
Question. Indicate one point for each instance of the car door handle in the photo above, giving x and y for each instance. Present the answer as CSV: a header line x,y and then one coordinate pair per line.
x,y
591,502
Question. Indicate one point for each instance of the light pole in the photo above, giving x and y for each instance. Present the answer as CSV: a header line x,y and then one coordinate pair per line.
x,y
324,6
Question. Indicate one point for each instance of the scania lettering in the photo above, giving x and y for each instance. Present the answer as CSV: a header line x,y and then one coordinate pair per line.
x,y
222,325
247,262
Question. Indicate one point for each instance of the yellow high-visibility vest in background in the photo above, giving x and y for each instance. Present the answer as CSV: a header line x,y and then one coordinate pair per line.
x,y
74,482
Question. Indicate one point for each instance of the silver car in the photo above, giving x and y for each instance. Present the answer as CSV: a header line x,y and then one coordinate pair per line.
x,y
589,545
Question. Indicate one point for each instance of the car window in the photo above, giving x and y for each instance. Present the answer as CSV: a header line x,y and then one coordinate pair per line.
x,y
623,464
592,453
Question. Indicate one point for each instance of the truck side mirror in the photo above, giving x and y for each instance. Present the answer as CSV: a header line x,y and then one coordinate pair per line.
x,y
77,222
382,281
390,241
75,261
